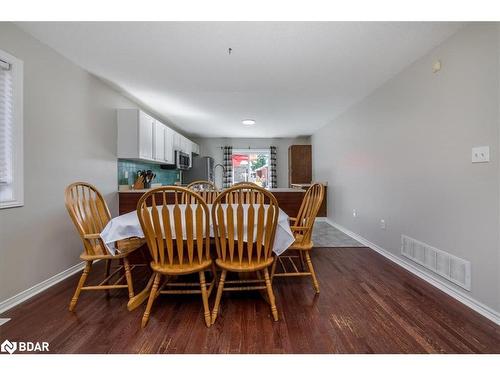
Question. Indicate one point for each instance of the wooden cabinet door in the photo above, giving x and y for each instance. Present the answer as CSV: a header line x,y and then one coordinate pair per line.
x,y
300,164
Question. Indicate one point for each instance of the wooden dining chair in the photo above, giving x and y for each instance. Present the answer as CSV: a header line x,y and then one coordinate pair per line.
x,y
178,237
90,214
302,228
247,194
244,238
206,189
245,183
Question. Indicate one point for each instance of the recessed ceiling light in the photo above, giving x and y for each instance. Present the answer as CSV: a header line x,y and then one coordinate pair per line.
x,y
248,122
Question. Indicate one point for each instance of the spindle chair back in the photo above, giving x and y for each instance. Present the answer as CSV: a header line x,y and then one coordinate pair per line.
x,y
206,189
178,237
302,227
90,214
244,228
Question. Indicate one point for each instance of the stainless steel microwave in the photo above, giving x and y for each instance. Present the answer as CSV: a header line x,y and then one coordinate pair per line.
x,y
182,160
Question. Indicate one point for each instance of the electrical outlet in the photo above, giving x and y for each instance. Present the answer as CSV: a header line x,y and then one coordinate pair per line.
x,y
382,224
481,154
354,213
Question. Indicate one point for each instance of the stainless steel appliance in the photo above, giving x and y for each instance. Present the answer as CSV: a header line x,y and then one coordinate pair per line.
x,y
202,169
182,160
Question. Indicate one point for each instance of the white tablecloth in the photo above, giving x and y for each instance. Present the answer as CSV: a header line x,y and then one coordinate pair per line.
x,y
126,226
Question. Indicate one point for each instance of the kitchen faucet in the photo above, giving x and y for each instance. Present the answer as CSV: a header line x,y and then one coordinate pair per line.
x,y
223,170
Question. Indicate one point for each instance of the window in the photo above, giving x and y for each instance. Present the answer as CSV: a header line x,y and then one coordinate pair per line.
x,y
251,166
11,131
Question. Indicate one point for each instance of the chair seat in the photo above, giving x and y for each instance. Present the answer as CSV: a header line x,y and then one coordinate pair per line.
x,y
180,269
298,245
244,266
125,247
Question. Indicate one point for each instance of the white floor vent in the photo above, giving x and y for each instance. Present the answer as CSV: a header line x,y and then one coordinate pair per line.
x,y
450,267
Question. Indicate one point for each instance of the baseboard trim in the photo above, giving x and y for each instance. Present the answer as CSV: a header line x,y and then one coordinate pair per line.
x,y
460,296
13,301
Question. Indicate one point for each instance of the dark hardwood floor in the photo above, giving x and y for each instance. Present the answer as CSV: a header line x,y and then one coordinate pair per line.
x,y
367,305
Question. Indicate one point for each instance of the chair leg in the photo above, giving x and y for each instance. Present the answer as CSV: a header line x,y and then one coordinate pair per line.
x,y
108,266
204,297
106,274
273,268
272,300
152,297
83,278
128,276
313,274
302,263
219,295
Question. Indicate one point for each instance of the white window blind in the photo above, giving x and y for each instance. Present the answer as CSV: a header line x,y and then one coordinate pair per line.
x,y
6,123
11,131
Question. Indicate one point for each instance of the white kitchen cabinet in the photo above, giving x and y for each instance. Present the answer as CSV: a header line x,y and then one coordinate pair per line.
x,y
141,137
159,142
169,146
186,145
188,149
135,134
177,140
146,127
195,148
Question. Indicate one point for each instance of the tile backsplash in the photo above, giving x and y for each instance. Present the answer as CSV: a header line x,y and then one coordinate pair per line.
x,y
163,176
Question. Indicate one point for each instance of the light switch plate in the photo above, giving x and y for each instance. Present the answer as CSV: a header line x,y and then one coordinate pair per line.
x,y
481,154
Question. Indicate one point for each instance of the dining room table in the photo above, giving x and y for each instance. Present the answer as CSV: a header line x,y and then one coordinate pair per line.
x,y
128,225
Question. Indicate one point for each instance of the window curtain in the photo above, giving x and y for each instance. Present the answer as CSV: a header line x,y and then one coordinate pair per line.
x,y
273,178
227,162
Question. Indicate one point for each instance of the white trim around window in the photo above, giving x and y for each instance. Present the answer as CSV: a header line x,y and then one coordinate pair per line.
x,y
251,150
11,128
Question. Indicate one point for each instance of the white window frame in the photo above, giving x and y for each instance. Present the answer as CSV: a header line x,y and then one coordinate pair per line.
x,y
17,185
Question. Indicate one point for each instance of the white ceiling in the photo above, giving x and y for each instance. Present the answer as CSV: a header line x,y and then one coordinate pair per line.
x,y
291,77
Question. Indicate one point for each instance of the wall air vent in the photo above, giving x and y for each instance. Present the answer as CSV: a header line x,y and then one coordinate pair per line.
x,y
450,267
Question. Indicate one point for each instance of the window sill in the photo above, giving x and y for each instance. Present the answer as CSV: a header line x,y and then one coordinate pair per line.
x,y
11,204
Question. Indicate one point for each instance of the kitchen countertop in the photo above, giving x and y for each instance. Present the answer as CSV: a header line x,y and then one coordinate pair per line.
x,y
274,190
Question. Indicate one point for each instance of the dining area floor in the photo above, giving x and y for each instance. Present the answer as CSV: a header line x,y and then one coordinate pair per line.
x,y
367,304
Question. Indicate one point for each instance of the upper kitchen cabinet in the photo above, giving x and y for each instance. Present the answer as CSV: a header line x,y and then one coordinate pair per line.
x,y
159,142
135,134
141,137
195,148
169,146
177,140
186,145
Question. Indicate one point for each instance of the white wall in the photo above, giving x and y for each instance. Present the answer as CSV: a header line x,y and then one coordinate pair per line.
x,y
212,147
404,154
69,135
